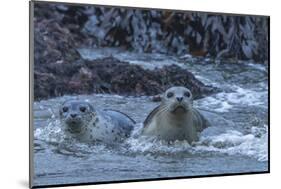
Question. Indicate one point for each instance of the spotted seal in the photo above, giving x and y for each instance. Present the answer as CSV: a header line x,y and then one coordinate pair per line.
x,y
79,119
175,118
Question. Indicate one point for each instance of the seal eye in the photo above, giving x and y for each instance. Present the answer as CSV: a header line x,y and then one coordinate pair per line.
x,y
65,109
170,94
83,109
187,94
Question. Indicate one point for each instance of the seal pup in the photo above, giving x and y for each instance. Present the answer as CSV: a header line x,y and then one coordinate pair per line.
x,y
175,118
79,119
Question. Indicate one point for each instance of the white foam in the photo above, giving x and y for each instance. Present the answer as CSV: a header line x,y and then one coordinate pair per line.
x,y
234,142
145,144
151,65
257,66
215,104
145,60
231,142
52,133
224,101
245,96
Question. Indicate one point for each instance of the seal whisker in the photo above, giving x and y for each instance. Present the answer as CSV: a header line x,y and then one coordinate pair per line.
x,y
163,110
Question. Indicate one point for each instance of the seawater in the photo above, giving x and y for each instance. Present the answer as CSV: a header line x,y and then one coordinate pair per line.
x,y
237,142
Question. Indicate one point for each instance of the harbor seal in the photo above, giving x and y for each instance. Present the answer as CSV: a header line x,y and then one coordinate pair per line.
x,y
175,118
79,119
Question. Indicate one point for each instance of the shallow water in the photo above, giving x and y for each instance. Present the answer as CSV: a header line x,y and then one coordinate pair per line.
x,y
236,145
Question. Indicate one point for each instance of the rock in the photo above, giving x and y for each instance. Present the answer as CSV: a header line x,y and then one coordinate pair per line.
x,y
59,68
163,31
156,98
112,76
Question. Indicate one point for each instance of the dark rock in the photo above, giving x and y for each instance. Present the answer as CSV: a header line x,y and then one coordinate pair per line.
x,y
156,98
112,76
59,69
200,34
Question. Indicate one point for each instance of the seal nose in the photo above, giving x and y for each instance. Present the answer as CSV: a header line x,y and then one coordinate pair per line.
x,y
73,115
179,99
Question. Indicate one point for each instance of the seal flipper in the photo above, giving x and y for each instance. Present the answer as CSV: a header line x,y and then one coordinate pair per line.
x,y
123,124
204,123
151,115
111,110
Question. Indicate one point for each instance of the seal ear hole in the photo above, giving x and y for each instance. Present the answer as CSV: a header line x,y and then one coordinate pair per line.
x,y
65,109
170,95
187,94
83,109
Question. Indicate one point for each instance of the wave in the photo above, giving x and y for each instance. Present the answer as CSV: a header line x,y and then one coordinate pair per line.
x,y
231,142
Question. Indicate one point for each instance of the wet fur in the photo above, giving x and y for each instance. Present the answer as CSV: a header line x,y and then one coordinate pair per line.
x,y
166,124
108,126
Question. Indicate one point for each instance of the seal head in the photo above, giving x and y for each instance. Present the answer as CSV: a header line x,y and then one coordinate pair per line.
x,y
76,115
178,100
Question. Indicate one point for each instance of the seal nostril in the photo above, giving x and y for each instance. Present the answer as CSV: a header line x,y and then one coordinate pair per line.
x,y
179,99
73,115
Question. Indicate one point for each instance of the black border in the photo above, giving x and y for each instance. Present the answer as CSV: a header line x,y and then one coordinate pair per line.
x,y
31,100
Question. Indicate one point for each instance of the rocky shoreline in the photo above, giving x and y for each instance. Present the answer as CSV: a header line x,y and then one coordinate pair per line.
x,y
59,30
111,76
